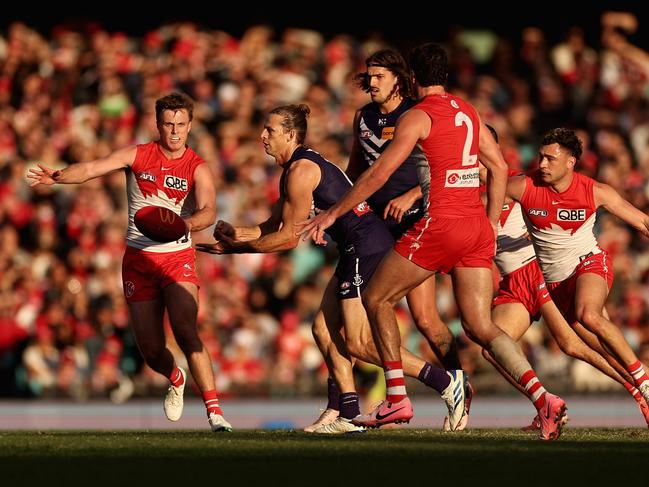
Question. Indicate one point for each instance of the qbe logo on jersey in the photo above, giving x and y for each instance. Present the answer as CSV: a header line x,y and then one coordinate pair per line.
x,y
571,215
174,182
462,178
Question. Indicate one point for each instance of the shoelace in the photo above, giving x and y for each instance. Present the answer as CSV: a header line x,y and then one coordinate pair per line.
x,y
175,397
331,427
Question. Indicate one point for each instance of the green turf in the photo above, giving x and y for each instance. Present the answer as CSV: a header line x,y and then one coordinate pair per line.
x,y
423,457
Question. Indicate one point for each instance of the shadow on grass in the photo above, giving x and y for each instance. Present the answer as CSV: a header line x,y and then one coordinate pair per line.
x,y
483,457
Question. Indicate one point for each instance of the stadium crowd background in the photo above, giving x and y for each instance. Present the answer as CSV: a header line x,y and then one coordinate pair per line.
x,y
77,92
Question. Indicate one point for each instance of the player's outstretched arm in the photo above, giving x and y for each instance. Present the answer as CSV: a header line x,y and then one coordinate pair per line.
x,y
302,179
610,199
412,126
83,171
224,230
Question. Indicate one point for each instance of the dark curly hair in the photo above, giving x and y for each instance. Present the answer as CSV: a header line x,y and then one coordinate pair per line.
x,y
174,101
294,118
394,62
566,138
429,64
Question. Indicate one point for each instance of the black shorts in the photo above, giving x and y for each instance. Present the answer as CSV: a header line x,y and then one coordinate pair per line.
x,y
354,273
410,217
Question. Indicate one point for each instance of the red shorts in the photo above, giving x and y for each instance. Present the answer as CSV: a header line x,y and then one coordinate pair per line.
x,y
563,292
441,244
526,286
145,274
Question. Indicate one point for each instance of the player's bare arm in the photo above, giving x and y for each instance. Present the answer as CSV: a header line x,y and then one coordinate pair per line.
x,y
205,194
515,187
302,178
412,126
492,159
610,199
224,229
83,171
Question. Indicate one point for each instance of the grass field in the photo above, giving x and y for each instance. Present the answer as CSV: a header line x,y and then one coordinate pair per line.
x,y
261,457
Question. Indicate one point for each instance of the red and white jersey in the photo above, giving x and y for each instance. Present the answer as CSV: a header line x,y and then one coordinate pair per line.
x,y
561,224
153,179
449,175
513,247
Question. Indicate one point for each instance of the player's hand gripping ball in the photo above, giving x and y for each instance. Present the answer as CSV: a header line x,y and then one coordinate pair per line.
x,y
160,224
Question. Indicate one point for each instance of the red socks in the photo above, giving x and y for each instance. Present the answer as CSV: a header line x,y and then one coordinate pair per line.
x,y
212,402
534,388
176,378
394,382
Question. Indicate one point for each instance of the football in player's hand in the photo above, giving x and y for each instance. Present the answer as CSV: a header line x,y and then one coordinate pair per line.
x,y
160,224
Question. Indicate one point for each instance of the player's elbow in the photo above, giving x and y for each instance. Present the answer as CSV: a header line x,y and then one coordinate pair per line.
x,y
202,219
290,242
293,243
499,168
210,216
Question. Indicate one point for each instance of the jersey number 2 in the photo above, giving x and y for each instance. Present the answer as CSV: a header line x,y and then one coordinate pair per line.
x,y
467,158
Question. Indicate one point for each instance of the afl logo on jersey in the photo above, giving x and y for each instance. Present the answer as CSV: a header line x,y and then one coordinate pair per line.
x,y
147,177
455,105
537,212
366,134
572,215
174,182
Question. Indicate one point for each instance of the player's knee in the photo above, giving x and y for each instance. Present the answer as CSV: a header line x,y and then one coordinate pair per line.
x,y
189,343
570,348
592,320
357,348
424,324
319,331
428,319
372,303
482,334
354,347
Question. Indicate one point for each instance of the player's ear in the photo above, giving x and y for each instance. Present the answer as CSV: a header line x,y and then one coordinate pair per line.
x,y
572,161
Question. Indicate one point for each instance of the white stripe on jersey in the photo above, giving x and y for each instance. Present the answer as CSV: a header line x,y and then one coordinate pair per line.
x,y
136,200
560,251
375,140
513,249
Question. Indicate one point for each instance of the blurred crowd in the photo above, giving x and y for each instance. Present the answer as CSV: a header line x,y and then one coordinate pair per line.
x,y
76,94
